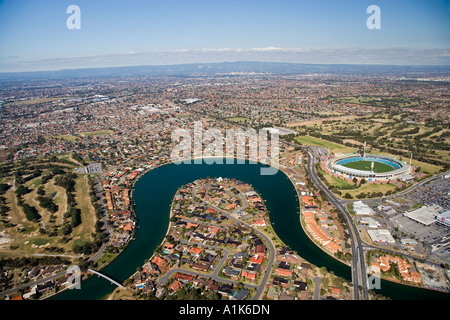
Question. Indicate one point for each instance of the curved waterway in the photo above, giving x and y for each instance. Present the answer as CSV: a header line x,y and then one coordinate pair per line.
x,y
153,194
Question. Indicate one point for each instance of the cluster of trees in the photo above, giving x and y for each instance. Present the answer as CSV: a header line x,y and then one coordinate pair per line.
x,y
22,190
343,256
374,194
86,248
78,158
67,181
3,188
363,195
30,212
3,207
73,214
23,175
47,203
94,199
398,133
20,262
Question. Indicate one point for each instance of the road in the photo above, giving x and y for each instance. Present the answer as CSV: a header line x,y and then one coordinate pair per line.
x,y
30,284
317,283
359,271
401,193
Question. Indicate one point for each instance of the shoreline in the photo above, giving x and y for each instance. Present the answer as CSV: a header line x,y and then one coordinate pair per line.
x,y
298,199
142,173
301,224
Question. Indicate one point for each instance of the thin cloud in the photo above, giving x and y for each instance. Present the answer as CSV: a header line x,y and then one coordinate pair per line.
x,y
401,56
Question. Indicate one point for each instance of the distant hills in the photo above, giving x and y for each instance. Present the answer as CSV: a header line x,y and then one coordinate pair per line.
x,y
230,68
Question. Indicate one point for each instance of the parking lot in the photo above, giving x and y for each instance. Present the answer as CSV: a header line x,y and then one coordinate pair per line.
x,y
419,231
433,192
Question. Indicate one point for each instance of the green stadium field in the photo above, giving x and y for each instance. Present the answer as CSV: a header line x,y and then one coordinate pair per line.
x,y
378,167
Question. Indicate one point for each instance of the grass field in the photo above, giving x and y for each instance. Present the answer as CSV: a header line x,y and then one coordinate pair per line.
x,y
332,146
372,187
428,167
67,137
88,219
31,101
366,188
96,133
377,101
334,181
367,166
238,119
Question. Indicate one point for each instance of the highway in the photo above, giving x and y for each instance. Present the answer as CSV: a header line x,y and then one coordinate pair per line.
x,y
401,193
359,271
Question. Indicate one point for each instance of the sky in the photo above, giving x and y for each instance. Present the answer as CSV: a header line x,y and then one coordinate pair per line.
x,y
34,35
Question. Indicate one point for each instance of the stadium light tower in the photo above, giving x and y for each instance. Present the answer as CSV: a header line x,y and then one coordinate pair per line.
x,y
364,150
410,159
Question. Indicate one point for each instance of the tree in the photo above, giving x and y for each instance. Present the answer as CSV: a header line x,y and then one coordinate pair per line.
x,y
40,191
76,217
3,188
22,190
66,181
40,139
47,203
31,213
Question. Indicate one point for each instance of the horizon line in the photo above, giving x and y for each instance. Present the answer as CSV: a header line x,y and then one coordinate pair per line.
x,y
231,62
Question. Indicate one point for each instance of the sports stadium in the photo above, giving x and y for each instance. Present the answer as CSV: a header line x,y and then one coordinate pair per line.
x,y
370,167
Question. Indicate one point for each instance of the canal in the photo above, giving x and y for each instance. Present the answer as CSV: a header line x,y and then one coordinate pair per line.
x,y
153,194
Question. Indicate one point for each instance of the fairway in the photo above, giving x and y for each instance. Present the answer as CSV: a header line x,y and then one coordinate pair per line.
x,y
332,146
378,167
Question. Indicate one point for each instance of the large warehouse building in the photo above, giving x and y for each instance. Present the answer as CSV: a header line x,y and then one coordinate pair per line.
x,y
425,215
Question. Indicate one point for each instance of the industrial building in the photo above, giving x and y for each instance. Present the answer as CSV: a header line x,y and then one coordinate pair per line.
x,y
425,215
361,208
381,236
